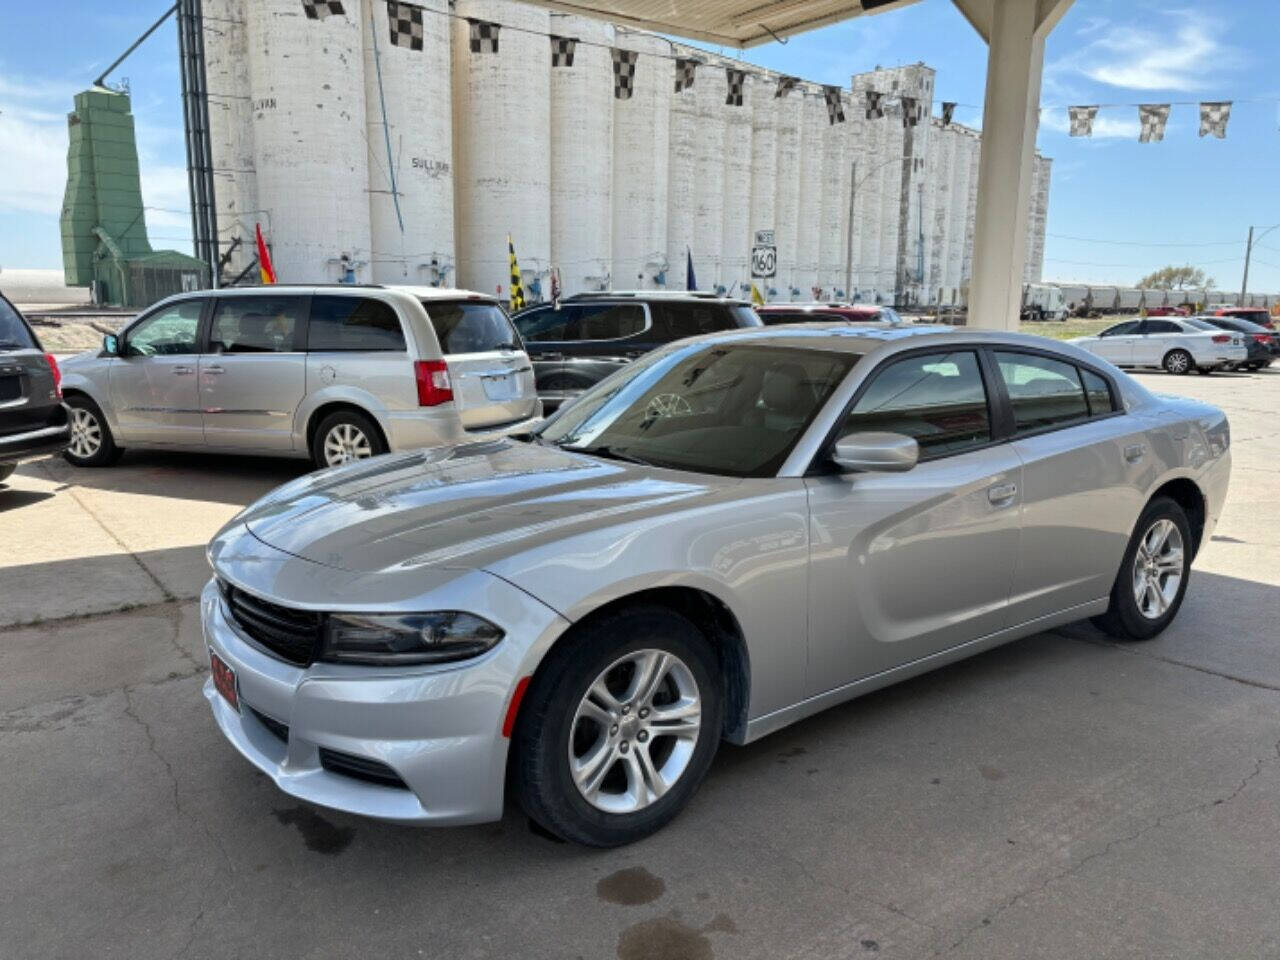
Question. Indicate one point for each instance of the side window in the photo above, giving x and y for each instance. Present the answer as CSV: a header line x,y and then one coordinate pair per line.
x,y
1042,392
694,319
471,326
545,324
1161,326
609,321
353,323
13,332
1121,329
171,332
938,398
1099,392
257,324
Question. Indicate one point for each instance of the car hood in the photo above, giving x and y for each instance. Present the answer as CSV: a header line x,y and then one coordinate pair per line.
x,y
463,506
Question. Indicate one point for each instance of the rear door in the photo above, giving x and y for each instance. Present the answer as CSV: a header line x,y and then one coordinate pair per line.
x,y
152,385
1155,339
491,375
253,374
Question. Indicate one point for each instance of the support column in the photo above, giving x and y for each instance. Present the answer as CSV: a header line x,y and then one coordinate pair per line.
x,y
1015,32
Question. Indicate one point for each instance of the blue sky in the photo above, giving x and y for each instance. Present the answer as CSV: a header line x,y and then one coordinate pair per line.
x,y
1133,207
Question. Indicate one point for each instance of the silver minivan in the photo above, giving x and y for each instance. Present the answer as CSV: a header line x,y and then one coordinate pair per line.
x,y
333,373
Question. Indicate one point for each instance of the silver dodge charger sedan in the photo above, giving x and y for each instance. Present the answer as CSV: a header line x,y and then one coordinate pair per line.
x,y
721,539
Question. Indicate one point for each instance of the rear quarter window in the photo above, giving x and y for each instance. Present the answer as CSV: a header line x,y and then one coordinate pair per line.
x,y
471,326
353,323
696,318
14,334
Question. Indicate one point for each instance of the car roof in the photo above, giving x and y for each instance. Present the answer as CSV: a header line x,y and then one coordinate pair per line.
x,y
677,295
819,307
270,289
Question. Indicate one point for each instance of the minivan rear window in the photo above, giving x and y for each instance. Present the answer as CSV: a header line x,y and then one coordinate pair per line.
x,y
14,334
471,326
353,323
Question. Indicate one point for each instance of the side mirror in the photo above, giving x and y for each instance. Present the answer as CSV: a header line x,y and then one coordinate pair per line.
x,y
111,345
876,452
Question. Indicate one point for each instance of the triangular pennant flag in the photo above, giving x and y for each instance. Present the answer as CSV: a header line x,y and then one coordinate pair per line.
x,y
875,105
756,298
685,67
517,287
1213,118
1081,119
624,73
319,9
948,112
266,272
736,78
562,50
785,86
484,36
406,24
1153,117
835,109
690,281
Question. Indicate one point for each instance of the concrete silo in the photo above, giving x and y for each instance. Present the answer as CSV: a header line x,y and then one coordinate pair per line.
x,y
641,165
786,203
764,164
813,117
833,224
306,89
582,156
226,55
708,182
409,111
502,167
735,268
681,174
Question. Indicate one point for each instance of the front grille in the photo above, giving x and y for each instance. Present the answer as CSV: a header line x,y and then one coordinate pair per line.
x,y
290,635
360,768
277,729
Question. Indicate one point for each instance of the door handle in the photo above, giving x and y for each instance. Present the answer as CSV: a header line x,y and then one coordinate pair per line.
x,y
214,370
181,370
1002,494
1135,452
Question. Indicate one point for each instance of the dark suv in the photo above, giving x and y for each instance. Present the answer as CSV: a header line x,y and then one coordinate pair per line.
x,y
33,420
592,335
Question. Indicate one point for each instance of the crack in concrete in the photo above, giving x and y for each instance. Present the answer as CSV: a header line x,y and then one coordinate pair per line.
x,y
132,714
990,918
114,612
1131,651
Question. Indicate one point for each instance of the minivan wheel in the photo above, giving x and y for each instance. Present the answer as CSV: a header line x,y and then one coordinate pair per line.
x,y
1178,362
345,436
91,442
618,728
1153,576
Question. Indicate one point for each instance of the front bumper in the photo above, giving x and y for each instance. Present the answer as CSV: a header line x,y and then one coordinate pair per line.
x,y
439,729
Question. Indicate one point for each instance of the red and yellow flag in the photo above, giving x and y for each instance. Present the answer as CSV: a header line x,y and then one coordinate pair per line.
x,y
265,269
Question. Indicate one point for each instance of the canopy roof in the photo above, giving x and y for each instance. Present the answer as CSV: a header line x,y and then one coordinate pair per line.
x,y
734,23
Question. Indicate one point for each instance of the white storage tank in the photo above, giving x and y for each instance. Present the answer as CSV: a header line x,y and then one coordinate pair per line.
x,y
813,119
735,268
641,126
582,156
415,246
306,80
787,191
226,56
708,191
502,167
681,175
764,164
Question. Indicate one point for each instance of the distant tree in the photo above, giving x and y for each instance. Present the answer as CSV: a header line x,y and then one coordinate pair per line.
x,y
1176,278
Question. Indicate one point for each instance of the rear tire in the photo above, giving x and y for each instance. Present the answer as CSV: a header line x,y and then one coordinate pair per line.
x,y
600,757
92,444
1178,362
345,436
1152,581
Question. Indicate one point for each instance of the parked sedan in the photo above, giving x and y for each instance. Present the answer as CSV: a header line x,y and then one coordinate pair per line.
x,y
727,536
333,373
33,420
1178,345
1263,346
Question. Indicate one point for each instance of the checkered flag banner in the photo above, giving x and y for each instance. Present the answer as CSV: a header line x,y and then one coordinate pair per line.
x,y
1153,117
319,9
875,105
624,73
948,112
910,111
835,109
685,67
484,36
562,50
1213,118
406,24
1082,120
785,86
737,79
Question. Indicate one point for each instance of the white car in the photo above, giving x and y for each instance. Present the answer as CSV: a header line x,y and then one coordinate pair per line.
x,y
1177,344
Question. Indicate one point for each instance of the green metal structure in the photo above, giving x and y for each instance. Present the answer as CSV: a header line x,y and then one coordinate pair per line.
x,y
104,230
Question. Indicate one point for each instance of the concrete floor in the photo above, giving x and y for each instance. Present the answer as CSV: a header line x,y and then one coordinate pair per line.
x,y
1060,797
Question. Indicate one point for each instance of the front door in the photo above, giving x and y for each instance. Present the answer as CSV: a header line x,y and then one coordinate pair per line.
x,y
1116,344
905,565
152,384
253,376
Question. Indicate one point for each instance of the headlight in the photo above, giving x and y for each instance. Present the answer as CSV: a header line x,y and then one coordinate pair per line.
x,y
407,638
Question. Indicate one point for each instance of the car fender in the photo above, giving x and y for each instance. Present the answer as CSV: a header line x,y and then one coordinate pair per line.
x,y
95,388
336,393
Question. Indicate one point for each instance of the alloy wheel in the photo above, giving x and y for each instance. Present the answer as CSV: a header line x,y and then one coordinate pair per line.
x,y
1158,569
344,443
1177,362
86,433
635,731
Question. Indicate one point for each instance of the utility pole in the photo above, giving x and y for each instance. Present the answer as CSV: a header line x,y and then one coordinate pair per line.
x,y
1248,253
848,250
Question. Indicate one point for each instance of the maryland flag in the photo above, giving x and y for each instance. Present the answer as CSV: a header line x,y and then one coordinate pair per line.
x,y
265,269
517,287
756,297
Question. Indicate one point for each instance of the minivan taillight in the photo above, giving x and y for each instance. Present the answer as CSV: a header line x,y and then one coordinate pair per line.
x,y
434,387
1222,338
57,374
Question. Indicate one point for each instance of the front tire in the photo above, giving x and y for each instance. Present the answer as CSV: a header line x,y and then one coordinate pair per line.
x,y
618,728
92,444
345,436
1153,576
1178,362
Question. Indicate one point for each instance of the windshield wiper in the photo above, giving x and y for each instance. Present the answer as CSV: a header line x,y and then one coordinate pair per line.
x,y
612,453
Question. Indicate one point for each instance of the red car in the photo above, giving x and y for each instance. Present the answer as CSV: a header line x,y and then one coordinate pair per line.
x,y
774,313
1168,312
1258,315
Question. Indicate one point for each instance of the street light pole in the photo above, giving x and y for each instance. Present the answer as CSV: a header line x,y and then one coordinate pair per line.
x,y
1248,255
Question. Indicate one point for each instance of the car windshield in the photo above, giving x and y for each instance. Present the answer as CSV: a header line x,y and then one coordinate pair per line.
x,y
724,408
13,332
